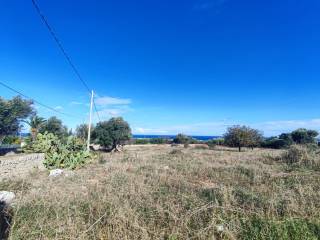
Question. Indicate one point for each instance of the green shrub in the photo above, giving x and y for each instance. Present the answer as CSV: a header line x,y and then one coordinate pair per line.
x,y
274,143
302,155
304,136
59,155
159,141
150,141
181,139
212,143
141,141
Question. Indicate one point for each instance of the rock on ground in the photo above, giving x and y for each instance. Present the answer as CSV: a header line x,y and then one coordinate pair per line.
x,y
7,197
55,172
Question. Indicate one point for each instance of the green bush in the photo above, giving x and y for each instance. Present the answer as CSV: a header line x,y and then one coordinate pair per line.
x,y
212,143
159,141
141,141
304,136
181,139
59,155
302,156
151,141
274,143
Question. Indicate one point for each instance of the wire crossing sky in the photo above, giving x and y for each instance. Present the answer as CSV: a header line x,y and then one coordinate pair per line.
x,y
35,101
45,21
196,66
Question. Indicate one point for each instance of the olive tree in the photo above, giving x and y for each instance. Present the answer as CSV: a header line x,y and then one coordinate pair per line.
x,y
112,134
304,136
242,136
82,131
55,126
12,112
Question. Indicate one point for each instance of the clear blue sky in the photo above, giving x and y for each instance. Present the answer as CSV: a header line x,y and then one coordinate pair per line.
x,y
169,66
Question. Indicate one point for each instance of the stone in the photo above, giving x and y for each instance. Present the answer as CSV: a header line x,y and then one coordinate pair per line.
x,y
220,228
7,197
11,153
95,147
55,172
69,173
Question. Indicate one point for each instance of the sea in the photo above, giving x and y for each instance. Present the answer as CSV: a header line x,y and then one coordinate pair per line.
x,y
200,138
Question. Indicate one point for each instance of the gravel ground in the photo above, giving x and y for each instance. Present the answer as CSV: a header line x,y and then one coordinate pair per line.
x,y
20,165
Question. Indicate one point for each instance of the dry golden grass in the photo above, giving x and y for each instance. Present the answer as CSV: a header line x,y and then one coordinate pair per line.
x,y
157,192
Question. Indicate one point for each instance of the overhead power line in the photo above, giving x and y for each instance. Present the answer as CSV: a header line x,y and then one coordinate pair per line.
x,y
35,101
56,39
95,108
64,52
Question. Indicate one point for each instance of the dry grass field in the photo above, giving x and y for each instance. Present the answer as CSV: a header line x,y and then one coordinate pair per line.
x,y
164,192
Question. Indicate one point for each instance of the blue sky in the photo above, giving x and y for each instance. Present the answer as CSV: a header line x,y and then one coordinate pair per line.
x,y
194,66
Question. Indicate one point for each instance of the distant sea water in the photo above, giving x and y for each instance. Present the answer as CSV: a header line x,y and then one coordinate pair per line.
x,y
201,138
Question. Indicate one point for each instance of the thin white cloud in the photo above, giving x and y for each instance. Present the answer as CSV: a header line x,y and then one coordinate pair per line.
x,y
115,111
112,107
58,108
208,128
75,103
269,128
107,101
140,130
277,127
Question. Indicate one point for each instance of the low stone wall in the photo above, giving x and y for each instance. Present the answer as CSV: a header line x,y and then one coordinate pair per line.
x,y
20,165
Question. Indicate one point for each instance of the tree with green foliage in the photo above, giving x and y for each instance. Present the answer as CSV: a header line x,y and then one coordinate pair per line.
x,y
274,143
12,112
82,131
112,134
255,138
304,136
287,139
54,125
242,136
35,122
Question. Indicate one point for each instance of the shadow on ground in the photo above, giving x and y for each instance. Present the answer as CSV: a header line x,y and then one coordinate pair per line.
x,y
5,221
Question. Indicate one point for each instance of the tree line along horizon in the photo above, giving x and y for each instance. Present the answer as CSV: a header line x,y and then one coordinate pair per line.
x,y
116,132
